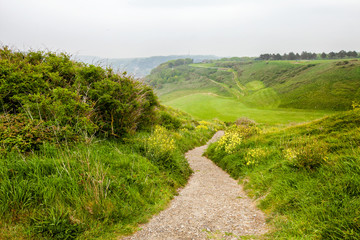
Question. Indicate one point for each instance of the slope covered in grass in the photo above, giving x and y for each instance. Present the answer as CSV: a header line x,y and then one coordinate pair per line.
x,y
329,85
306,178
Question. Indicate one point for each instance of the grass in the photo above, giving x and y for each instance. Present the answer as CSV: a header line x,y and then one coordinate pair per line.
x,y
305,178
94,191
209,106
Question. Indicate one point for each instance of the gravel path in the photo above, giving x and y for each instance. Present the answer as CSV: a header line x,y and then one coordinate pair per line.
x,y
212,205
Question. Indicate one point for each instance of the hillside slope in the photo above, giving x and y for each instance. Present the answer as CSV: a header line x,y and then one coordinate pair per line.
x,y
306,178
316,85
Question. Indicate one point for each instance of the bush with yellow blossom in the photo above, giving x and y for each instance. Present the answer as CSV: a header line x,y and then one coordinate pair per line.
x,y
233,137
254,156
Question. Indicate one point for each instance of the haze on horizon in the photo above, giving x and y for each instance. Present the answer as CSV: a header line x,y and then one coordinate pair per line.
x,y
143,28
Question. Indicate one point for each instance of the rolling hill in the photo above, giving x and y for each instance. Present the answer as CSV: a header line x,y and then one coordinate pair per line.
x,y
261,90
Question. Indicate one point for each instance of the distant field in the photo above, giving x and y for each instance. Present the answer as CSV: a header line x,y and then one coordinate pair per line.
x,y
209,106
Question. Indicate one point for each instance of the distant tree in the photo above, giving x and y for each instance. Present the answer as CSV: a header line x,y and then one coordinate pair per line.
x,y
265,56
352,54
277,56
304,55
332,55
341,54
291,56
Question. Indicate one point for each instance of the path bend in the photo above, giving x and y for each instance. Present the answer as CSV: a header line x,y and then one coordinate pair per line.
x,y
212,205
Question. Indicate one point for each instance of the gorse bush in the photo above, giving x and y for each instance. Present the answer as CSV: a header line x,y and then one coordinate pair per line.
x,y
22,134
84,99
234,135
161,145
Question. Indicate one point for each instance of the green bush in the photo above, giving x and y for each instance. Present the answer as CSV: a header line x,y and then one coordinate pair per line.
x,y
23,134
85,100
307,155
169,121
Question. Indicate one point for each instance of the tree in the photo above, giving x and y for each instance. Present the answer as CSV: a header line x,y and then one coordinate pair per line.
x,y
332,55
291,56
277,56
341,54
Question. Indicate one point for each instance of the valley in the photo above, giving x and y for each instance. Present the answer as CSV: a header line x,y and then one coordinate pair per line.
x,y
267,91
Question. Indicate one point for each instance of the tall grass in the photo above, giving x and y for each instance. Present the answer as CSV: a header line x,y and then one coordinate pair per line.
x,y
306,178
93,190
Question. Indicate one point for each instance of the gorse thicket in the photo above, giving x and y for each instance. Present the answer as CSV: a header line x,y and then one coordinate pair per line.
x,y
59,99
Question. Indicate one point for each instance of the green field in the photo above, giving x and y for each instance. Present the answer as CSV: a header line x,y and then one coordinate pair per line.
x,y
209,106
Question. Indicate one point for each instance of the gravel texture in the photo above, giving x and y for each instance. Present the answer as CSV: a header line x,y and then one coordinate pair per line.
x,y
211,206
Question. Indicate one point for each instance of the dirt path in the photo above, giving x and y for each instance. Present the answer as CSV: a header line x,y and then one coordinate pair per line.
x,y
212,205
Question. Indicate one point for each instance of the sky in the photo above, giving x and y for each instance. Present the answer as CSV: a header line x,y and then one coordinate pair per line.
x,y
143,28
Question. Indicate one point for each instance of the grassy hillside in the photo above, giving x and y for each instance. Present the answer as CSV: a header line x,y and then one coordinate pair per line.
x,y
85,153
306,178
328,85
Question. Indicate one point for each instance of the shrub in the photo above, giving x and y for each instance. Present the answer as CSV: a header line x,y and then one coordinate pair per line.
x,y
22,133
308,155
169,121
233,137
245,121
254,156
81,99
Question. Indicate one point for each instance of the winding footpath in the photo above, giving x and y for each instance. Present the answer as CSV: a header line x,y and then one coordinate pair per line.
x,y
212,205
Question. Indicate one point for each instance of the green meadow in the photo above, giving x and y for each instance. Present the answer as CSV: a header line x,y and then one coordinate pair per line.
x,y
208,106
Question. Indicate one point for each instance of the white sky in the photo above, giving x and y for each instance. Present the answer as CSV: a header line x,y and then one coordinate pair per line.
x,y
142,28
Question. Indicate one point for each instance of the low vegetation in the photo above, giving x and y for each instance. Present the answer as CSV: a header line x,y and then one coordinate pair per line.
x,y
85,153
306,178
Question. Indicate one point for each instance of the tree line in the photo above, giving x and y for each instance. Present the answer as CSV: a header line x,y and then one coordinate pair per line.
x,y
309,55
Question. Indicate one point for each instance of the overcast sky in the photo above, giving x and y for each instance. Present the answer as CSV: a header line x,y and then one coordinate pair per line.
x,y
142,28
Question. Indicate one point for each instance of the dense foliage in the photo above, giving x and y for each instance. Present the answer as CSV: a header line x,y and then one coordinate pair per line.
x,y
70,98
306,178
309,56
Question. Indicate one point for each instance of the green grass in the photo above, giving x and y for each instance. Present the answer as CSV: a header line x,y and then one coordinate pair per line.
x,y
255,85
209,106
305,178
94,191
